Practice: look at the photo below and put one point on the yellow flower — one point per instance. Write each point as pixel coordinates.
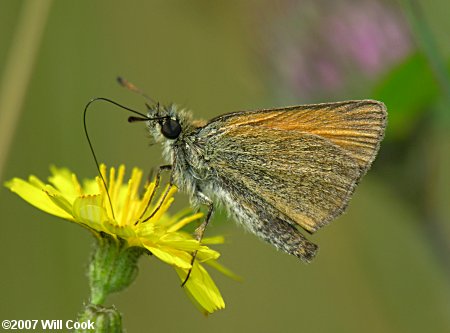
(124, 216)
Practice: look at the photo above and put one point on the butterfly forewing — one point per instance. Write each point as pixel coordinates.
(302, 162)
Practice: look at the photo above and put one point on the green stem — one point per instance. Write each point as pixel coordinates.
(434, 152)
(429, 45)
(18, 69)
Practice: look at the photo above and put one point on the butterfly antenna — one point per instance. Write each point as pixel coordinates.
(142, 117)
(130, 86)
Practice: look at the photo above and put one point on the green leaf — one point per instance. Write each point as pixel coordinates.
(407, 91)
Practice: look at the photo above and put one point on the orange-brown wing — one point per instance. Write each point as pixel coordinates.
(355, 126)
(303, 162)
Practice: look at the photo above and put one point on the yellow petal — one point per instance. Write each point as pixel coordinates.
(186, 220)
(163, 204)
(179, 241)
(213, 240)
(124, 232)
(90, 187)
(189, 245)
(202, 289)
(58, 199)
(222, 269)
(36, 197)
(171, 256)
(89, 210)
(36, 182)
(205, 253)
(62, 180)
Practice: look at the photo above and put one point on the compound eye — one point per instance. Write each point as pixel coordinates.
(170, 128)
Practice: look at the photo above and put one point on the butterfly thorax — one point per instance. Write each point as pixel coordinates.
(185, 153)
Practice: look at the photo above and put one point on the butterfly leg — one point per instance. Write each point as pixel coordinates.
(200, 230)
(162, 168)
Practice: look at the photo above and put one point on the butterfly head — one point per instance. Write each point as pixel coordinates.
(167, 122)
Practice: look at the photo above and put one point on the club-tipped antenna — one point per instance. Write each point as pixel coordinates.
(130, 86)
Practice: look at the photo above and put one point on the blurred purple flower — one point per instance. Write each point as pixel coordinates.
(326, 47)
(371, 34)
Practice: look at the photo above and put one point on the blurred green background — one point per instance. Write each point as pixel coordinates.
(382, 267)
